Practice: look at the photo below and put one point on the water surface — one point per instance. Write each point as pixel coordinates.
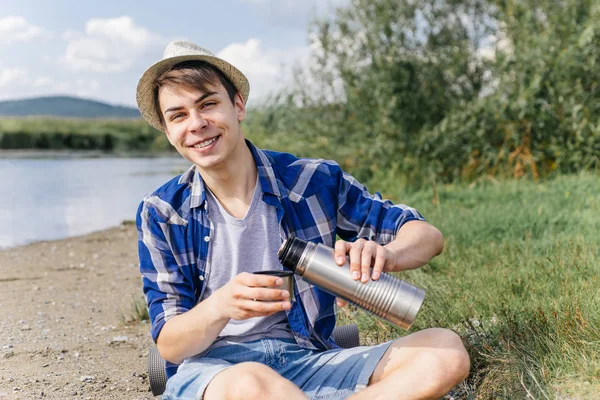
(53, 198)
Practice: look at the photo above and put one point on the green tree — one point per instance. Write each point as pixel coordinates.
(542, 113)
(447, 90)
(383, 71)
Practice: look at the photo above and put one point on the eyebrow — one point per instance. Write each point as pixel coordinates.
(198, 100)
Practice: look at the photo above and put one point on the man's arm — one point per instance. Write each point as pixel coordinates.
(364, 220)
(190, 333)
(245, 296)
(416, 243)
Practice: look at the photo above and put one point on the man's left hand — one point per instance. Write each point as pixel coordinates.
(364, 254)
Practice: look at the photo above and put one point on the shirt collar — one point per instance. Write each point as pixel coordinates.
(266, 177)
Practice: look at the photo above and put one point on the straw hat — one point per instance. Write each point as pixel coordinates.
(175, 53)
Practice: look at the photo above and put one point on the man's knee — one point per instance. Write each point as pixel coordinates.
(248, 380)
(439, 353)
(446, 356)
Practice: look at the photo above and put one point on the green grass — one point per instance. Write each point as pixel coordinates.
(137, 313)
(518, 280)
(110, 135)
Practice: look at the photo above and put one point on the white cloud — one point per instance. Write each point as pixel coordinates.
(13, 75)
(86, 87)
(108, 45)
(41, 81)
(267, 69)
(294, 13)
(18, 83)
(17, 29)
(295, 5)
(119, 29)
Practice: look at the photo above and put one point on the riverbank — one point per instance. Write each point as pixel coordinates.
(61, 334)
(518, 280)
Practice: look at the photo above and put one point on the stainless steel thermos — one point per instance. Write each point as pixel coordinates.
(388, 297)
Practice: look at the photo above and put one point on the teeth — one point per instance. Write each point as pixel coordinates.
(205, 143)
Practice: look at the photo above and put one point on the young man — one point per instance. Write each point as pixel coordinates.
(202, 234)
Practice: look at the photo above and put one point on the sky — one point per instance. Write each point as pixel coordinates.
(99, 49)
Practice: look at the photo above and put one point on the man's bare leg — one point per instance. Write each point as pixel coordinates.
(423, 365)
(251, 381)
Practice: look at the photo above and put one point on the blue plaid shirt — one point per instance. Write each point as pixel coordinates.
(315, 201)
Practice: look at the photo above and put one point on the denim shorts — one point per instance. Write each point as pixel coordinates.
(331, 374)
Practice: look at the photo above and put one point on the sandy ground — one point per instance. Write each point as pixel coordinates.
(61, 334)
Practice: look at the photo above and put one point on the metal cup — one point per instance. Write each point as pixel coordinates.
(288, 281)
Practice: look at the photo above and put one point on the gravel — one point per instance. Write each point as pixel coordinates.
(61, 335)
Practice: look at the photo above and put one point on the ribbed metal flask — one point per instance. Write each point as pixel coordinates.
(388, 297)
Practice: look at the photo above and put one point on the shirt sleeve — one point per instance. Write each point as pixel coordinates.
(168, 292)
(365, 215)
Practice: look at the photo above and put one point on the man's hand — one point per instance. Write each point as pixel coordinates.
(363, 255)
(415, 244)
(340, 302)
(252, 295)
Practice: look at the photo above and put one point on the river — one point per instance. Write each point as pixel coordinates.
(59, 197)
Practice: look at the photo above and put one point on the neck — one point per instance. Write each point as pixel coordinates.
(235, 179)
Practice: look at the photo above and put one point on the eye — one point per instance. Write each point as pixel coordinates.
(209, 104)
(176, 116)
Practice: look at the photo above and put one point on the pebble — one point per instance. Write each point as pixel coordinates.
(87, 378)
(118, 339)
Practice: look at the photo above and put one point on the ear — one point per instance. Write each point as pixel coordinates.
(240, 107)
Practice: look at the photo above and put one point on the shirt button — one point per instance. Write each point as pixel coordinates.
(206, 238)
(201, 277)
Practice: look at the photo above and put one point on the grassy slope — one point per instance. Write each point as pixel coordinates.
(46, 133)
(518, 280)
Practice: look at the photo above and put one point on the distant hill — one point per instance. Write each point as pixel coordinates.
(65, 106)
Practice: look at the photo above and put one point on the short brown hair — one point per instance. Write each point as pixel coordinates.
(192, 74)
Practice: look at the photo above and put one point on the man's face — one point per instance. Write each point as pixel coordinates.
(204, 127)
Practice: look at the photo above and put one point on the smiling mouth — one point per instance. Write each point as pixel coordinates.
(205, 143)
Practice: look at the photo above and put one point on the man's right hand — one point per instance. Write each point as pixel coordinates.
(252, 295)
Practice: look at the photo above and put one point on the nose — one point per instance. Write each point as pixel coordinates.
(197, 122)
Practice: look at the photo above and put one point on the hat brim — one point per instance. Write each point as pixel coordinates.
(145, 88)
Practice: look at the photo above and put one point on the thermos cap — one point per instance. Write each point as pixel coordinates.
(290, 252)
